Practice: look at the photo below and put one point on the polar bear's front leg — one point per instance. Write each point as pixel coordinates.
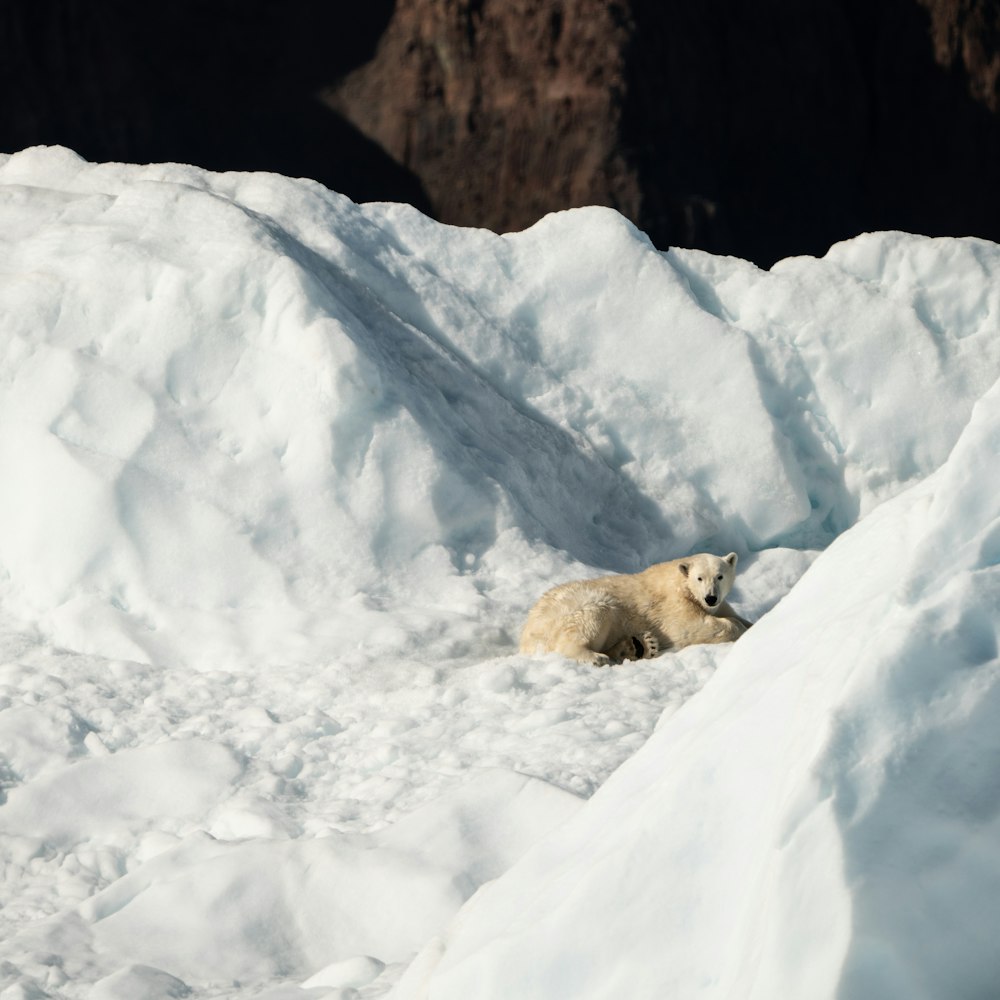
(622, 650)
(725, 629)
(726, 611)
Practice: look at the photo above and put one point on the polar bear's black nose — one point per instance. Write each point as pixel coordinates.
(711, 600)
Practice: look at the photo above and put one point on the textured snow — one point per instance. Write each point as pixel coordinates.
(280, 476)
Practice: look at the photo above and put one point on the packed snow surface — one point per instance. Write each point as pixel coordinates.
(280, 477)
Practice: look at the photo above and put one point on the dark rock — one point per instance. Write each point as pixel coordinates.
(225, 84)
(504, 110)
(966, 34)
(761, 128)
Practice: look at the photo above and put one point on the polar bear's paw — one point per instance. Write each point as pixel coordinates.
(646, 646)
(622, 651)
(635, 647)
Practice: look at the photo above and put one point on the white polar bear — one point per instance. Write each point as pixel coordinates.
(635, 616)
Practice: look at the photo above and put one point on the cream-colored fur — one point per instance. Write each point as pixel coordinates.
(613, 618)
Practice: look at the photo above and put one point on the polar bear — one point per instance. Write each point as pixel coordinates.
(635, 616)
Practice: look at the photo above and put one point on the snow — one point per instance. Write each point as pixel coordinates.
(853, 857)
(281, 475)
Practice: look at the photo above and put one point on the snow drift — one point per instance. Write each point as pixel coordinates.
(280, 476)
(822, 820)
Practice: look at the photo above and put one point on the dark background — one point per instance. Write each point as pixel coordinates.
(761, 128)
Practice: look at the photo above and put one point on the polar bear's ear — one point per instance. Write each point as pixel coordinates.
(683, 567)
(731, 558)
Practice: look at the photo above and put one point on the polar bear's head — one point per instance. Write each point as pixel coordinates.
(709, 578)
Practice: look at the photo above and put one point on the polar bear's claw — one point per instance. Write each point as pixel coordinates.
(646, 645)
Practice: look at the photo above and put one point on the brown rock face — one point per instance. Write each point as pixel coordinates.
(966, 33)
(504, 109)
(761, 128)
(755, 127)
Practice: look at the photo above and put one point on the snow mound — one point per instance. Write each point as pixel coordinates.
(328, 403)
(131, 790)
(823, 820)
(281, 475)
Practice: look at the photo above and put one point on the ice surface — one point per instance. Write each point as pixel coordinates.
(280, 476)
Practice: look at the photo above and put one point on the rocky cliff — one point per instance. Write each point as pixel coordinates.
(747, 127)
(966, 36)
(755, 127)
(505, 110)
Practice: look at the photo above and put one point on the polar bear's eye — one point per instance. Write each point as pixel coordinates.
(719, 577)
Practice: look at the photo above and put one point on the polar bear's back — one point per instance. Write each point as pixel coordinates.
(588, 608)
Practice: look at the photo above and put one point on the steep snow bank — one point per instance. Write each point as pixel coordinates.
(823, 820)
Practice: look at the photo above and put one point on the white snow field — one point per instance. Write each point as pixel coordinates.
(280, 476)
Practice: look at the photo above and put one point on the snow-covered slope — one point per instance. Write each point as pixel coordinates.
(280, 476)
(823, 820)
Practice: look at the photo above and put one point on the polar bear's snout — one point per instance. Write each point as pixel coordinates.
(709, 579)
